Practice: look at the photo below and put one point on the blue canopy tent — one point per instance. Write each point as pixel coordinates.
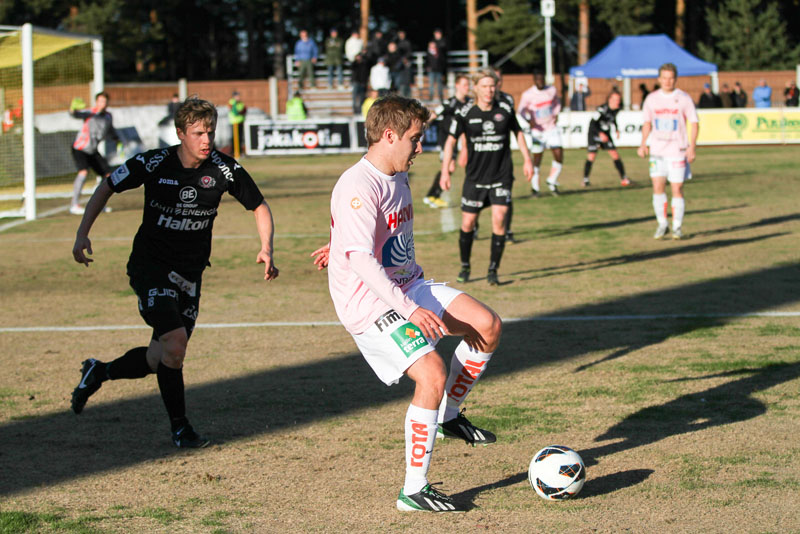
(639, 56)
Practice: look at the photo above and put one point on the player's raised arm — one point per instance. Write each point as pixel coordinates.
(93, 208)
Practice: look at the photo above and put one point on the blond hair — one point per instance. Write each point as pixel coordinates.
(486, 72)
(670, 67)
(396, 113)
(194, 109)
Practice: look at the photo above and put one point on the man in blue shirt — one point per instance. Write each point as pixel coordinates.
(305, 56)
(762, 95)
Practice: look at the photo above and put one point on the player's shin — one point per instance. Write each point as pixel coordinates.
(465, 240)
(660, 208)
(620, 168)
(170, 383)
(420, 434)
(466, 367)
(496, 252)
(678, 209)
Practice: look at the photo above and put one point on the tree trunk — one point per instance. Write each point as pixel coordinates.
(583, 32)
(680, 11)
(364, 29)
(278, 63)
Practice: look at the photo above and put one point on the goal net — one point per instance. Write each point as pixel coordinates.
(41, 72)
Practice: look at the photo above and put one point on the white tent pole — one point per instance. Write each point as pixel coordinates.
(626, 88)
(28, 154)
(715, 82)
(97, 65)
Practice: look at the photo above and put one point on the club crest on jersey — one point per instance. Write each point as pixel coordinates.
(207, 182)
(356, 203)
(498, 117)
(188, 194)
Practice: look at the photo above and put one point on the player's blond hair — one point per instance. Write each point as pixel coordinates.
(396, 113)
(670, 67)
(194, 109)
(486, 72)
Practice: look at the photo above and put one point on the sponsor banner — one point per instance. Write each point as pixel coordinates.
(298, 137)
(749, 126)
(429, 141)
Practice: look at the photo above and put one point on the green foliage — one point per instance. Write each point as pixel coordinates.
(746, 35)
(513, 26)
(626, 17)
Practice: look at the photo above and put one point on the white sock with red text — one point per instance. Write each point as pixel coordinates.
(466, 367)
(678, 208)
(420, 436)
(660, 207)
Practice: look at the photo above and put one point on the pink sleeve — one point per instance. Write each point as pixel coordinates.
(647, 111)
(374, 276)
(556, 105)
(522, 109)
(689, 111)
(355, 212)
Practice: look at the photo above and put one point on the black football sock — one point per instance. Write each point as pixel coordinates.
(170, 382)
(436, 189)
(465, 240)
(620, 168)
(498, 245)
(132, 364)
(587, 169)
(509, 215)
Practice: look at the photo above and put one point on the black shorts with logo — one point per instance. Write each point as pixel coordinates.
(475, 196)
(167, 300)
(94, 161)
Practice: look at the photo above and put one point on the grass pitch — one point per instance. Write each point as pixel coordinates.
(672, 367)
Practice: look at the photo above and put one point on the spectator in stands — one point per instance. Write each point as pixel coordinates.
(375, 47)
(334, 52)
(403, 44)
(578, 100)
(708, 99)
(172, 108)
(436, 64)
(399, 69)
(791, 94)
(739, 96)
(762, 95)
(353, 46)
(379, 77)
(726, 97)
(359, 78)
(296, 108)
(305, 57)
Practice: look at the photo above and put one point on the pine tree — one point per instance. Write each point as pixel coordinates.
(517, 23)
(748, 35)
(626, 17)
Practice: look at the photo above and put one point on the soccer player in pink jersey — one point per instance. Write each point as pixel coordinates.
(540, 106)
(395, 316)
(671, 150)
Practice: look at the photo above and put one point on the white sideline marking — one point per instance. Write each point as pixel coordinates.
(552, 318)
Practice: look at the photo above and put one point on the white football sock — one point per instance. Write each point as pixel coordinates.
(535, 179)
(555, 170)
(678, 209)
(660, 207)
(420, 430)
(466, 367)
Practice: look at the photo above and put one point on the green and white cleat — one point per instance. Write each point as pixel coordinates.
(428, 499)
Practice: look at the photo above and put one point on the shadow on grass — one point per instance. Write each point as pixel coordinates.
(58, 447)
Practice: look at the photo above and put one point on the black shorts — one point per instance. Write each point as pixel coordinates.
(167, 300)
(93, 161)
(595, 143)
(475, 196)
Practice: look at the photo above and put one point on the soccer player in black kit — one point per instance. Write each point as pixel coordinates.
(600, 137)
(183, 186)
(487, 124)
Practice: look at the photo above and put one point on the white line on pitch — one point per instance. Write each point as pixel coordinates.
(552, 318)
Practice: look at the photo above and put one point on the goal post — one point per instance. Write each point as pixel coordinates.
(41, 71)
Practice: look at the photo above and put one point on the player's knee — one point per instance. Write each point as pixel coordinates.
(490, 327)
(174, 348)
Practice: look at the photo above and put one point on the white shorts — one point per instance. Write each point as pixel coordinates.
(542, 139)
(676, 170)
(391, 343)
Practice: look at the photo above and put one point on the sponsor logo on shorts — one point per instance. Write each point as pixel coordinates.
(191, 312)
(500, 192)
(159, 292)
(471, 203)
(387, 319)
(190, 288)
(409, 339)
(120, 174)
(207, 182)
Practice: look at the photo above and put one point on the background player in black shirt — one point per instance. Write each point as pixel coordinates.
(446, 111)
(600, 137)
(487, 124)
(183, 186)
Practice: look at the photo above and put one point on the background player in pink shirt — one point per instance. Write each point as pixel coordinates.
(540, 106)
(395, 316)
(666, 112)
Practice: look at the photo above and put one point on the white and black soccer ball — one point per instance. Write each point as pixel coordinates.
(557, 473)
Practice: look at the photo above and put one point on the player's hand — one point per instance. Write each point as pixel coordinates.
(444, 181)
(270, 271)
(452, 166)
(603, 137)
(431, 324)
(690, 154)
(527, 170)
(81, 244)
(76, 104)
(642, 151)
(322, 256)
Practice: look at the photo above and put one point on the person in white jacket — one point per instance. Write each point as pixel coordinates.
(379, 78)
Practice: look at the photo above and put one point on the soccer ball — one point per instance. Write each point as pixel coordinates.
(557, 473)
